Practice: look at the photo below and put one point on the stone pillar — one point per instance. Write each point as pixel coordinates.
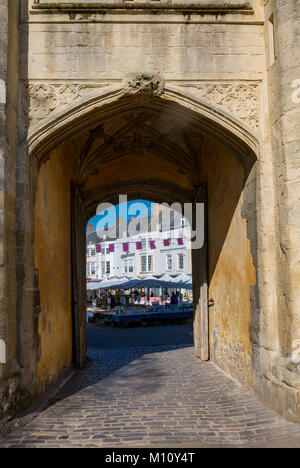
(200, 284)
(28, 295)
(9, 369)
(283, 43)
(78, 231)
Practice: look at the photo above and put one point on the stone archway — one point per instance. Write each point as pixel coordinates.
(60, 83)
(150, 139)
(162, 191)
(235, 124)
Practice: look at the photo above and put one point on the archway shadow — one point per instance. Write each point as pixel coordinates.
(127, 360)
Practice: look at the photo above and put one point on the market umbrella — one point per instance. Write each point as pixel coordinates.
(182, 278)
(93, 285)
(166, 277)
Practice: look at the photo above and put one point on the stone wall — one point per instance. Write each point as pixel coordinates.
(232, 274)
(68, 56)
(9, 369)
(281, 386)
(219, 55)
(109, 48)
(52, 221)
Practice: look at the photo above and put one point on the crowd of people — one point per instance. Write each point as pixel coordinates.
(109, 300)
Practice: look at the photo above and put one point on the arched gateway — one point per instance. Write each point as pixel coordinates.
(145, 139)
(164, 135)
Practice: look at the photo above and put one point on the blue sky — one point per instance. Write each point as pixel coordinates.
(134, 208)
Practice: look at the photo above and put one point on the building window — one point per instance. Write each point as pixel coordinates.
(108, 268)
(130, 266)
(147, 264)
(91, 268)
(144, 243)
(143, 263)
(180, 261)
(103, 268)
(93, 253)
(127, 265)
(150, 263)
(169, 262)
(124, 266)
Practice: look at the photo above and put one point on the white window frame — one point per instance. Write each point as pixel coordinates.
(144, 258)
(180, 255)
(169, 257)
(150, 265)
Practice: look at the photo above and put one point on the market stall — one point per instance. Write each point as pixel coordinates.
(133, 301)
(151, 315)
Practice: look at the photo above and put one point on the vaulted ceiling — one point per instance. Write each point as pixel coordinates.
(142, 131)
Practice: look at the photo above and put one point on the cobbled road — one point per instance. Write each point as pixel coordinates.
(143, 387)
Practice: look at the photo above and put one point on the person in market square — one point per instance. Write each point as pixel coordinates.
(174, 299)
(180, 297)
(166, 297)
(123, 300)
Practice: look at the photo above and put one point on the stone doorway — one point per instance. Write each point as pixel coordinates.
(152, 195)
(145, 141)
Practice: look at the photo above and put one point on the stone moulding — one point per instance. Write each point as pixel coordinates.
(42, 99)
(199, 6)
(240, 99)
(85, 113)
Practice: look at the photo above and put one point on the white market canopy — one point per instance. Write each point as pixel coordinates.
(182, 281)
(102, 284)
(166, 277)
(145, 284)
(182, 278)
(91, 286)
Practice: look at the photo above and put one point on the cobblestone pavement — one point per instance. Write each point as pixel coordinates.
(159, 396)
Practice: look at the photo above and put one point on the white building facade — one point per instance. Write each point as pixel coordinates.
(155, 249)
